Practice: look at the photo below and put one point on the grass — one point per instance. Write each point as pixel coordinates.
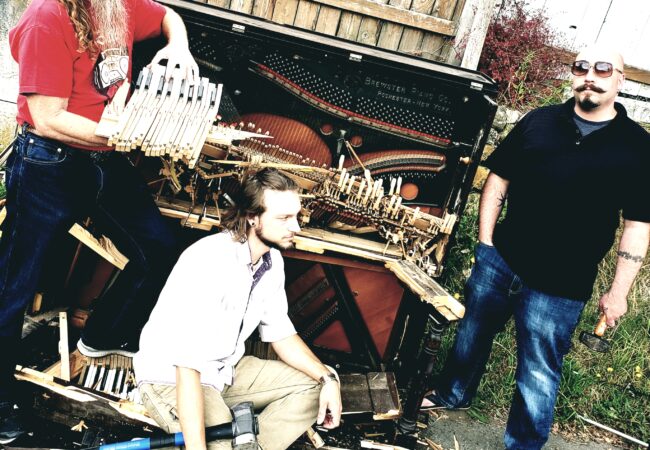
(611, 388)
(7, 130)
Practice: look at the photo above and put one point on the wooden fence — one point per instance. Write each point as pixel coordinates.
(425, 28)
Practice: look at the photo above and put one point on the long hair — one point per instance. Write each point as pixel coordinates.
(82, 24)
(249, 201)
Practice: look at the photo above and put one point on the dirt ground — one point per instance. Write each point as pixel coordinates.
(451, 427)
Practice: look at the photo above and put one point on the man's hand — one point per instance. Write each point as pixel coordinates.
(329, 412)
(177, 51)
(614, 307)
(178, 55)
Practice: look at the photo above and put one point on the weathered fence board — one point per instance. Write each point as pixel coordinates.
(328, 20)
(349, 26)
(411, 42)
(285, 11)
(391, 30)
(307, 14)
(219, 3)
(263, 8)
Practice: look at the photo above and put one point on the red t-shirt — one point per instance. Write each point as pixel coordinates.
(45, 46)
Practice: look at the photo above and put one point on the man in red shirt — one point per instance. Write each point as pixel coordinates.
(72, 56)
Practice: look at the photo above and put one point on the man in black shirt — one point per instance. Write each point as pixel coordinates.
(568, 171)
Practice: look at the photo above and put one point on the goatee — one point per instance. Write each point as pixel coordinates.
(110, 23)
(587, 104)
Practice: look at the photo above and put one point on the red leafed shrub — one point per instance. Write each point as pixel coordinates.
(518, 54)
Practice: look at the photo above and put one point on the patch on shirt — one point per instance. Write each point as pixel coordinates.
(111, 67)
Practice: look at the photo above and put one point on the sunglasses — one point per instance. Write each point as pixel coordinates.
(601, 68)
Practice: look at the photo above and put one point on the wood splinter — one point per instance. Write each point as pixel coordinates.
(80, 427)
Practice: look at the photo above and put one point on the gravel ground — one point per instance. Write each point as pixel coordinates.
(473, 435)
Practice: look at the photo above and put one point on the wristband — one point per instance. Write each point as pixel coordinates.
(327, 378)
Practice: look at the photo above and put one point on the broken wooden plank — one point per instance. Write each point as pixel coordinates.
(315, 438)
(67, 403)
(355, 394)
(76, 365)
(37, 303)
(103, 246)
(63, 346)
(367, 443)
(383, 393)
(427, 289)
(3, 211)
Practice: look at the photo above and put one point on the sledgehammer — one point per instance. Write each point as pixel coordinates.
(595, 340)
(244, 423)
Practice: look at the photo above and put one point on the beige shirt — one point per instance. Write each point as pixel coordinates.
(197, 322)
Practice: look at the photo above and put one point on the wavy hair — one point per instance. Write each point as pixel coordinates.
(249, 201)
(82, 24)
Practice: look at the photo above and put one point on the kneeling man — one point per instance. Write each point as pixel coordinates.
(190, 367)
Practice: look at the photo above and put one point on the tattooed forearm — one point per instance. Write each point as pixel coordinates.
(631, 257)
(502, 199)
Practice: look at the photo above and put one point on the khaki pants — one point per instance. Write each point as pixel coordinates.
(289, 400)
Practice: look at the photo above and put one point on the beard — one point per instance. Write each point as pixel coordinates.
(110, 21)
(278, 245)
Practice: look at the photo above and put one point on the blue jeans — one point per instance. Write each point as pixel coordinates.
(50, 186)
(544, 325)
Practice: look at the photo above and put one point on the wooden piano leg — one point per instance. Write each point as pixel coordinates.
(421, 382)
(406, 337)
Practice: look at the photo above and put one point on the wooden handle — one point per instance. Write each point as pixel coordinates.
(601, 326)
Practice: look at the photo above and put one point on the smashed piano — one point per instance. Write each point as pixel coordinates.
(384, 146)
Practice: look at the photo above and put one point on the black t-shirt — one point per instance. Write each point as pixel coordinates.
(565, 196)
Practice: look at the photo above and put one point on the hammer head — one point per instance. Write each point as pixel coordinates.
(244, 426)
(594, 342)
